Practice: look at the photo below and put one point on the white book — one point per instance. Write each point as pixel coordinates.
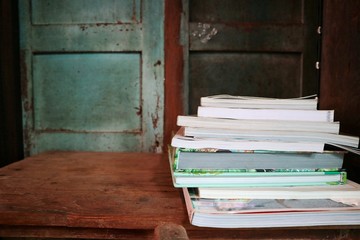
(243, 145)
(348, 191)
(181, 141)
(269, 125)
(291, 136)
(267, 114)
(309, 102)
(265, 213)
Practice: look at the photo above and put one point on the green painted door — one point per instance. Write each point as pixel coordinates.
(92, 75)
(251, 47)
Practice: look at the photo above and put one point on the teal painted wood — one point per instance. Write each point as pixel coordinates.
(82, 11)
(87, 92)
(153, 74)
(87, 38)
(92, 75)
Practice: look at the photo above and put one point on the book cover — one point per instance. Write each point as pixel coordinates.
(268, 125)
(291, 136)
(179, 140)
(267, 114)
(262, 213)
(350, 190)
(210, 158)
(253, 177)
(307, 102)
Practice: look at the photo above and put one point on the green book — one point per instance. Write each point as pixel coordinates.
(254, 177)
(188, 158)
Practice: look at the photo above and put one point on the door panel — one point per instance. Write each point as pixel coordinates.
(82, 11)
(243, 38)
(92, 75)
(228, 11)
(251, 47)
(87, 38)
(87, 92)
(235, 73)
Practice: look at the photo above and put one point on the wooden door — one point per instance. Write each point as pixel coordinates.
(250, 47)
(92, 74)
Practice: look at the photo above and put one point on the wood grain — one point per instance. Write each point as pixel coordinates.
(112, 196)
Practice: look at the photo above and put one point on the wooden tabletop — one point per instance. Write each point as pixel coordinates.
(108, 195)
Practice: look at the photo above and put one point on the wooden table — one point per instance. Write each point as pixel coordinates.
(110, 195)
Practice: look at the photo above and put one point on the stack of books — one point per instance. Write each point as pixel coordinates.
(264, 162)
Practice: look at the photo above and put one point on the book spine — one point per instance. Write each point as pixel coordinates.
(270, 125)
(244, 145)
(260, 172)
(267, 114)
(258, 102)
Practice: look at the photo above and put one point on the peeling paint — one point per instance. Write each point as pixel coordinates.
(158, 63)
(139, 111)
(205, 32)
(133, 17)
(155, 117)
(158, 148)
(83, 27)
(102, 24)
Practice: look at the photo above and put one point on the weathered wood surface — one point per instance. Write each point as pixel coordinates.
(89, 190)
(92, 75)
(53, 191)
(340, 72)
(109, 195)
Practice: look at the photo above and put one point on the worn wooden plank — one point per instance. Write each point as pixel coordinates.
(129, 190)
(74, 233)
(110, 195)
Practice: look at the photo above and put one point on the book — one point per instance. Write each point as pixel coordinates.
(188, 158)
(265, 213)
(266, 114)
(304, 103)
(268, 125)
(349, 190)
(291, 136)
(255, 162)
(179, 140)
(253, 177)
